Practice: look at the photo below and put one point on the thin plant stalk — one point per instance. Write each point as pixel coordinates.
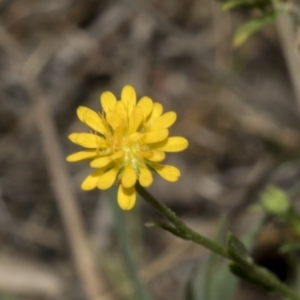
(180, 229)
(130, 262)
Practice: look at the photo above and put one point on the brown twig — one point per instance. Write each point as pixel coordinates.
(65, 197)
(63, 191)
(287, 39)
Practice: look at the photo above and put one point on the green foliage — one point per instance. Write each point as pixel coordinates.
(4, 296)
(275, 201)
(167, 227)
(289, 247)
(252, 26)
(244, 274)
(268, 15)
(212, 280)
(230, 4)
(127, 246)
(237, 249)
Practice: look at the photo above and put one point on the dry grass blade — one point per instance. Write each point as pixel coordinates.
(83, 260)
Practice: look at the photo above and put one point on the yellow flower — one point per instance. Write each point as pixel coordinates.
(129, 141)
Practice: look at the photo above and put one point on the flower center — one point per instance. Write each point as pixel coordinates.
(130, 144)
(131, 151)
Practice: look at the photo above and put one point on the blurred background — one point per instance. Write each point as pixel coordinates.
(239, 109)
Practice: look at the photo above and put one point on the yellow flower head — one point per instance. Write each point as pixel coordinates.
(129, 141)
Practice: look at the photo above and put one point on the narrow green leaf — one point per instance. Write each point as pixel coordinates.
(166, 227)
(211, 279)
(202, 279)
(296, 284)
(189, 292)
(244, 3)
(292, 218)
(289, 247)
(214, 262)
(237, 249)
(126, 248)
(225, 284)
(254, 25)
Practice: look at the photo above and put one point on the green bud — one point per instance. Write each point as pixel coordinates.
(275, 201)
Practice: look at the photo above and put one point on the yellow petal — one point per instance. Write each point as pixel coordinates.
(93, 120)
(155, 155)
(169, 173)
(121, 110)
(173, 144)
(80, 112)
(81, 155)
(155, 136)
(157, 111)
(165, 121)
(136, 136)
(87, 140)
(100, 162)
(146, 104)
(108, 101)
(113, 119)
(104, 161)
(145, 177)
(128, 177)
(91, 181)
(135, 119)
(126, 197)
(107, 179)
(128, 97)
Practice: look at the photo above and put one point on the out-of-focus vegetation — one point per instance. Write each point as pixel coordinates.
(238, 107)
(263, 13)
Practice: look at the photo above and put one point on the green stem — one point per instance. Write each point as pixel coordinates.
(277, 285)
(185, 232)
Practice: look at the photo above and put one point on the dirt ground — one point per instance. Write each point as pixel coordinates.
(237, 108)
